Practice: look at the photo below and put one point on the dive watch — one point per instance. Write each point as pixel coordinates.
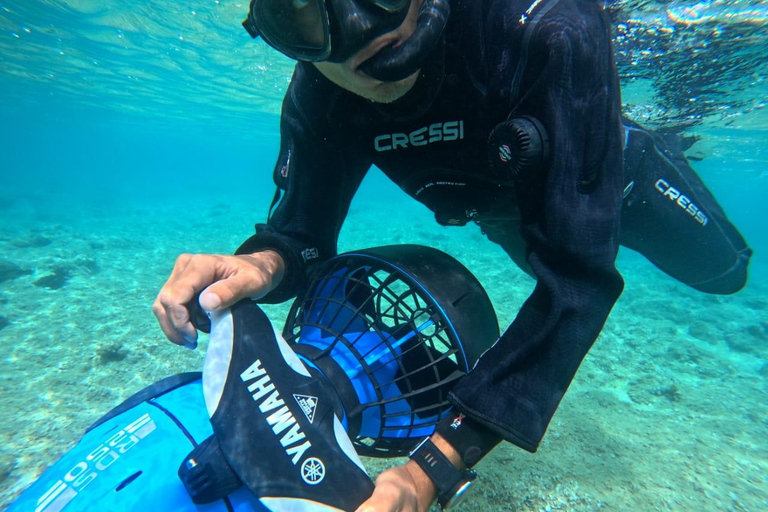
(452, 483)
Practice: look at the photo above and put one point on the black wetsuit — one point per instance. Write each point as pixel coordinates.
(561, 222)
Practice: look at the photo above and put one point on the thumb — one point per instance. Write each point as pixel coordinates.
(245, 284)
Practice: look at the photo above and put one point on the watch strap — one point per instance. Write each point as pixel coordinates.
(448, 479)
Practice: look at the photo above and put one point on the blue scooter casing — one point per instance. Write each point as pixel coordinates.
(128, 460)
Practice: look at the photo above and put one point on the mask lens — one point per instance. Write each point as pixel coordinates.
(391, 5)
(298, 28)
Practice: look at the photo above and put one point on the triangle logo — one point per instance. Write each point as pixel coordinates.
(308, 405)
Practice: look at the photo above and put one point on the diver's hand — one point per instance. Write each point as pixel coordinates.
(407, 488)
(222, 279)
(403, 488)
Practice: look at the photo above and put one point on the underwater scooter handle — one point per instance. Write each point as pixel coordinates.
(274, 422)
(197, 315)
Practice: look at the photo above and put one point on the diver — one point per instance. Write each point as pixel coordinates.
(505, 115)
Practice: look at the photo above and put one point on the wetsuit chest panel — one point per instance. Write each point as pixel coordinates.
(452, 181)
(440, 159)
(457, 197)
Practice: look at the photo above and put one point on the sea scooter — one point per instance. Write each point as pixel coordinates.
(276, 423)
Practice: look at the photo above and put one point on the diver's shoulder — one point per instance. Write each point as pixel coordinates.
(510, 19)
(578, 16)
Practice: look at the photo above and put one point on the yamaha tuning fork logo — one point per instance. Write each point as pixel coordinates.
(313, 471)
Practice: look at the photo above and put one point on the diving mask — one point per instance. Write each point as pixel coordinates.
(334, 30)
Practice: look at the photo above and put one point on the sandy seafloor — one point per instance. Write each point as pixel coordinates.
(668, 411)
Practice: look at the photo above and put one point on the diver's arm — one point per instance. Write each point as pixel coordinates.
(316, 182)
(570, 222)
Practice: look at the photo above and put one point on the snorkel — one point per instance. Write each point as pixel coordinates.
(396, 63)
(334, 30)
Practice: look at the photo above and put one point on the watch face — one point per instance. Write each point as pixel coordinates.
(459, 497)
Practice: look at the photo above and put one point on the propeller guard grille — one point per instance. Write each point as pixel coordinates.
(381, 331)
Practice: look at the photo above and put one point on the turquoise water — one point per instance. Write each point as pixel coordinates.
(132, 132)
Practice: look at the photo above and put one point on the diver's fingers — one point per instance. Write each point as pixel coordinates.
(165, 325)
(174, 322)
(397, 491)
(245, 283)
(191, 273)
(247, 276)
(179, 317)
(225, 279)
(379, 503)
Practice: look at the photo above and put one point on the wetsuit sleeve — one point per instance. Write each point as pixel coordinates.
(570, 223)
(315, 185)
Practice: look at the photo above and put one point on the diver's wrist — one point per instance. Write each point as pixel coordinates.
(448, 450)
(424, 488)
(272, 261)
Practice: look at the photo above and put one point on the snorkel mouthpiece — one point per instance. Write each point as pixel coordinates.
(397, 63)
